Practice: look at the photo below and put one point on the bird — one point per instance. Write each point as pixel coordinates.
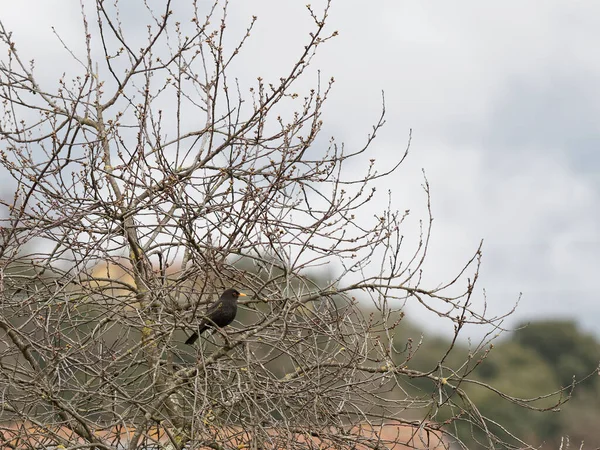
(220, 314)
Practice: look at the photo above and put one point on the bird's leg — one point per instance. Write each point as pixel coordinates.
(225, 336)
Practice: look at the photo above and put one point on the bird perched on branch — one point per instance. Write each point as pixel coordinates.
(220, 314)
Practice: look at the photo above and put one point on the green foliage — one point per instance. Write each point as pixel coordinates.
(534, 361)
(520, 373)
(570, 352)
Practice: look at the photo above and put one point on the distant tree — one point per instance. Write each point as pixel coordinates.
(580, 418)
(142, 179)
(539, 357)
(514, 371)
(518, 372)
(572, 354)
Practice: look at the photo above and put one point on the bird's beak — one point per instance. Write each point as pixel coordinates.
(243, 295)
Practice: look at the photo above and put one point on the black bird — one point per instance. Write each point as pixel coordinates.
(220, 314)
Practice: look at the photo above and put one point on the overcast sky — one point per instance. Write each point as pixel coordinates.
(503, 99)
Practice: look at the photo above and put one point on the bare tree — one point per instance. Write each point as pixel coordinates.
(151, 180)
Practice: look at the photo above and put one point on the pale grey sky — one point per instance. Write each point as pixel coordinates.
(503, 100)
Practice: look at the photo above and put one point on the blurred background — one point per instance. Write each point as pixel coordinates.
(503, 101)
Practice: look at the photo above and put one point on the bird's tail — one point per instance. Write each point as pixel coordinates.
(193, 338)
